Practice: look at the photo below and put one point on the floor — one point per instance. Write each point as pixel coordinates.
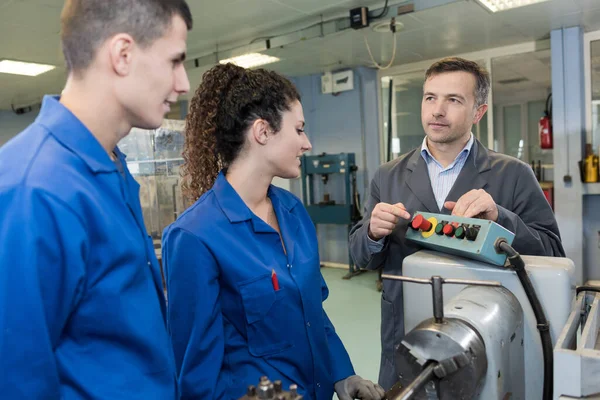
(354, 309)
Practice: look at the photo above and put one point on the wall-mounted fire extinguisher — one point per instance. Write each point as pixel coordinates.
(545, 125)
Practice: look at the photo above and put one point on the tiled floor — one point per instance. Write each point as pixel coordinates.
(354, 309)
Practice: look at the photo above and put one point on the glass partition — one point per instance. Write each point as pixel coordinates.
(154, 158)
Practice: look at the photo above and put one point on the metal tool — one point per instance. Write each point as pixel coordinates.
(267, 390)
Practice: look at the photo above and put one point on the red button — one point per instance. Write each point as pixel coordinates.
(419, 222)
(448, 230)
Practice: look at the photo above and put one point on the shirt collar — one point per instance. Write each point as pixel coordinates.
(425, 153)
(74, 135)
(234, 207)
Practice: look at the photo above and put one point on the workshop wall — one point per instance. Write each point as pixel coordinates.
(11, 124)
(347, 122)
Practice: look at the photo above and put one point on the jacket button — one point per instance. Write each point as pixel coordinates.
(318, 384)
(308, 324)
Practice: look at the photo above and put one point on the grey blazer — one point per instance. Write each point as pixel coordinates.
(522, 209)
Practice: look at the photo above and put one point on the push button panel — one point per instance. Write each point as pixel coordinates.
(468, 237)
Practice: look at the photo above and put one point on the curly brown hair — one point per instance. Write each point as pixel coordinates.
(225, 105)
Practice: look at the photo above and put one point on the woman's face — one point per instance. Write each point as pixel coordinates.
(287, 145)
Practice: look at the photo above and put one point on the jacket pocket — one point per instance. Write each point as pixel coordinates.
(266, 315)
(388, 329)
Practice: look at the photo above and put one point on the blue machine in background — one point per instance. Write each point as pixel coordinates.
(326, 210)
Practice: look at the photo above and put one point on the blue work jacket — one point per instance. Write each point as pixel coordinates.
(227, 322)
(82, 312)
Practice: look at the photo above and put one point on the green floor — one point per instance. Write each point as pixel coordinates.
(354, 309)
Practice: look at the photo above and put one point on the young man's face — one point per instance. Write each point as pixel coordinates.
(158, 77)
(448, 109)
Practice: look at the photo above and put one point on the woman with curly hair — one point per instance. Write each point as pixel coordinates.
(242, 264)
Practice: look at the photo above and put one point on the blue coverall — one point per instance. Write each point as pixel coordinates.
(82, 312)
(227, 322)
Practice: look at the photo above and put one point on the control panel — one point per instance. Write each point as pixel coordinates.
(467, 237)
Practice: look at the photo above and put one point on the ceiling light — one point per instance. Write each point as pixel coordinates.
(503, 5)
(23, 68)
(250, 60)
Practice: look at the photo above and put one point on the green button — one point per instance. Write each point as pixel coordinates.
(460, 232)
(439, 229)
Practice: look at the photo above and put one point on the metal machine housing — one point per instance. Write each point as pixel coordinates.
(553, 279)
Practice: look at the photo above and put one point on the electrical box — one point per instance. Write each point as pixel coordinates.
(466, 237)
(343, 81)
(327, 83)
(359, 17)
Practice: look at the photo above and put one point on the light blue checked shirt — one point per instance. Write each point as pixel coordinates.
(442, 179)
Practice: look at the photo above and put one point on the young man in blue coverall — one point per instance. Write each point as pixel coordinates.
(82, 304)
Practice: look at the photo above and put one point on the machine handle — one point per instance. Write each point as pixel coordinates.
(437, 292)
(449, 281)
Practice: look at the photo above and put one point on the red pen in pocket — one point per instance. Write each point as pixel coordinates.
(274, 280)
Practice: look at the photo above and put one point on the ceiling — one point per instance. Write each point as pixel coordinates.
(458, 27)
(521, 77)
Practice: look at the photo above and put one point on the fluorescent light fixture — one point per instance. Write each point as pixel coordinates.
(503, 5)
(23, 68)
(250, 60)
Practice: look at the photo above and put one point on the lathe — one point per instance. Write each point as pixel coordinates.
(495, 325)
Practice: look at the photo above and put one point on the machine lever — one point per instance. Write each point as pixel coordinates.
(448, 280)
(438, 295)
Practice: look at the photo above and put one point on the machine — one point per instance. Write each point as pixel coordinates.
(327, 210)
(487, 328)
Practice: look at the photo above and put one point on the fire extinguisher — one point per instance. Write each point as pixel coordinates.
(545, 126)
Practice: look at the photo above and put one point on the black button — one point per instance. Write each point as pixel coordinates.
(471, 233)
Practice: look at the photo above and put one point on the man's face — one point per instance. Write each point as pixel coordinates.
(448, 109)
(157, 78)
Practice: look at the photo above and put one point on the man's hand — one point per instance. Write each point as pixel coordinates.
(355, 387)
(474, 204)
(384, 219)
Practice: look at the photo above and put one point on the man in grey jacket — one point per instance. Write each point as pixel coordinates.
(454, 173)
